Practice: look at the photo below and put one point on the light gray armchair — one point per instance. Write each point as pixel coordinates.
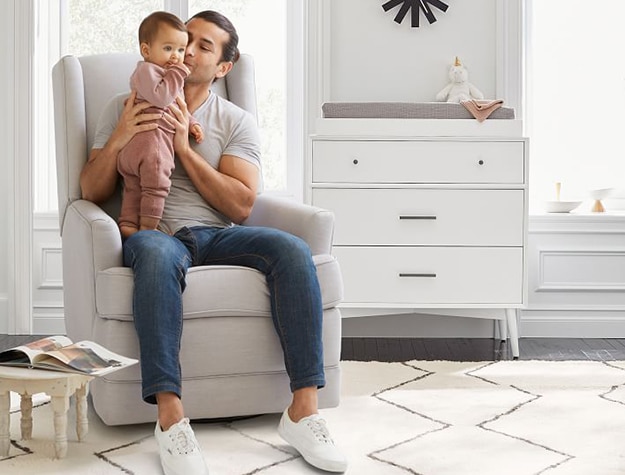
(231, 359)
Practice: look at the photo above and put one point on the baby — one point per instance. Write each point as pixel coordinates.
(147, 161)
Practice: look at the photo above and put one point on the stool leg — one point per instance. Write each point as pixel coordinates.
(26, 405)
(60, 406)
(82, 423)
(5, 421)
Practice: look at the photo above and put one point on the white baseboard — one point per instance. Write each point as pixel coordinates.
(573, 323)
(48, 321)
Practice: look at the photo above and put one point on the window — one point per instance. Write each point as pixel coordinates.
(103, 26)
(576, 98)
(81, 27)
(261, 25)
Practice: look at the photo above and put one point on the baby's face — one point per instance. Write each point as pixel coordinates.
(167, 48)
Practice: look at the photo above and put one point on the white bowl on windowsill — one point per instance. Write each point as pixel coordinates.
(561, 206)
(601, 194)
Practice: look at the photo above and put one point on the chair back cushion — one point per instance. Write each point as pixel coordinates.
(81, 88)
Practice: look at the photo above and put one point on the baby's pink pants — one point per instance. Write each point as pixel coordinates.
(145, 163)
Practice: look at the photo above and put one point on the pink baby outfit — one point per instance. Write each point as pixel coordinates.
(147, 161)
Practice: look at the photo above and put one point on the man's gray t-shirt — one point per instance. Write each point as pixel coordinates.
(228, 130)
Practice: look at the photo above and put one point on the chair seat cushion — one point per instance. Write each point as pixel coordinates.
(213, 291)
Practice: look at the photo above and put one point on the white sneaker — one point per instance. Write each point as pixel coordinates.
(312, 440)
(179, 451)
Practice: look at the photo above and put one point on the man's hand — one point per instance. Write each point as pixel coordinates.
(99, 175)
(132, 121)
(178, 117)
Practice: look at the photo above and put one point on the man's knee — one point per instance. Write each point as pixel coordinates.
(294, 249)
(152, 247)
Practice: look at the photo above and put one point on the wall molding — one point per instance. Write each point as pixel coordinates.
(296, 118)
(20, 189)
(510, 31)
(48, 320)
(317, 72)
(48, 312)
(47, 254)
(588, 286)
(610, 223)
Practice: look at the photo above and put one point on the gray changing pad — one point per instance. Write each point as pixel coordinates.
(405, 110)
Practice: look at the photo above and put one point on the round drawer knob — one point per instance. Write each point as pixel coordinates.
(481, 162)
(355, 161)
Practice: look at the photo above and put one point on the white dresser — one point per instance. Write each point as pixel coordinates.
(427, 222)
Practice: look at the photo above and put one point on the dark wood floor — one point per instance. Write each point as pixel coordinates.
(453, 349)
(481, 349)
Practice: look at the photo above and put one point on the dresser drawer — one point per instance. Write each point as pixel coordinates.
(424, 217)
(431, 275)
(365, 161)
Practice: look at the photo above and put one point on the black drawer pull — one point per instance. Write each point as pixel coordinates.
(401, 274)
(417, 217)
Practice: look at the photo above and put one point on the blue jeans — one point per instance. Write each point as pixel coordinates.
(160, 264)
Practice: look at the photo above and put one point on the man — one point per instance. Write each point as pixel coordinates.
(214, 186)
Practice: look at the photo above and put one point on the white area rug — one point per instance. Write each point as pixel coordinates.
(425, 418)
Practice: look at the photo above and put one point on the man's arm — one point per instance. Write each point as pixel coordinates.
(98, 177)
(232, 188)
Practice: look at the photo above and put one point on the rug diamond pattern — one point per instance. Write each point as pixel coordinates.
(418, 418)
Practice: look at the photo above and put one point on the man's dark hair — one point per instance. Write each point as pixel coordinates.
(151, 23)
(231, 48)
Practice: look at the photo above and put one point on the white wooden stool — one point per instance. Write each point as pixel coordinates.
(59, 386)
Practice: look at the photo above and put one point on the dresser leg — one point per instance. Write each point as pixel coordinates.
(503, 329)
(513, 331)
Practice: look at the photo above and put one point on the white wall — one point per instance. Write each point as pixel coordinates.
(375, 59)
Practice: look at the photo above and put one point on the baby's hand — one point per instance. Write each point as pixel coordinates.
(197, 132)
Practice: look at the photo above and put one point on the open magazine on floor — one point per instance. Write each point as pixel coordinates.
(59, 353)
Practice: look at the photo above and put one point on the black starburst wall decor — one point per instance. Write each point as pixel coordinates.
(415, 7)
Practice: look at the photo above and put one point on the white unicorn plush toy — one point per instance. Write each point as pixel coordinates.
(459, 88)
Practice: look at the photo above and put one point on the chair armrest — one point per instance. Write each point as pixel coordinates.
(93, 234)
(91, 242)
(314, 225)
